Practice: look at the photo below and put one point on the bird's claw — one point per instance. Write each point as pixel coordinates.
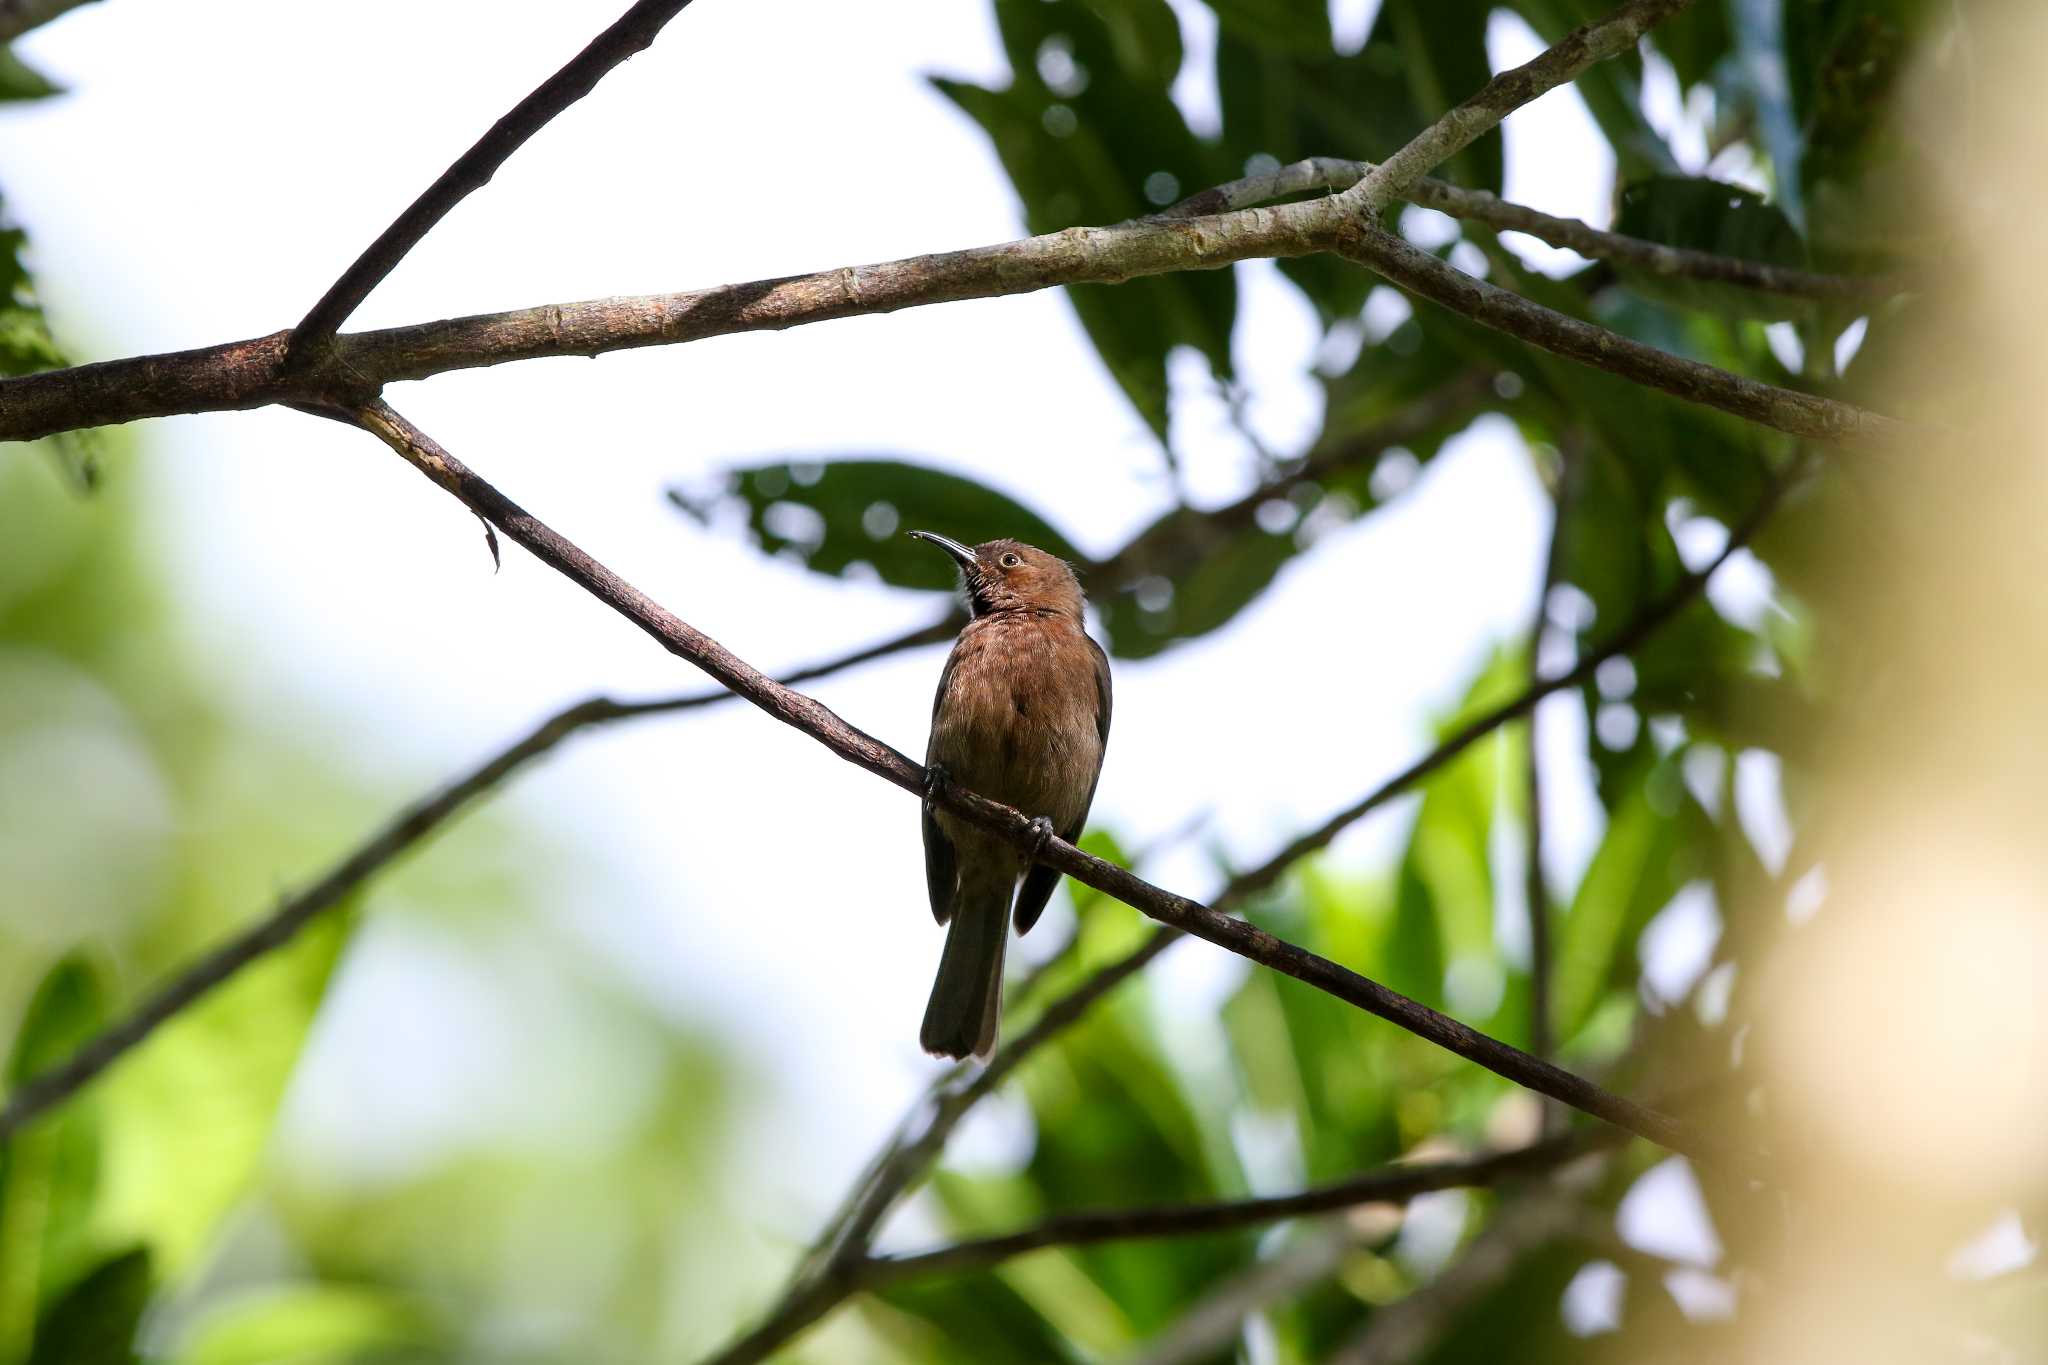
(1041, 835)
(936, 779)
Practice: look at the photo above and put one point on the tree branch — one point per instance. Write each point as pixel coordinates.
(411, 827)
(1510, 90)
(1800, 414)
(351, 369)
(423, 817)
(865, 751)
(19, 16)
(471, 171)
(1396, 1183)
(1480, 206)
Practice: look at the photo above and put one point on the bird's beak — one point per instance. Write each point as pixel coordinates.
(962, 556)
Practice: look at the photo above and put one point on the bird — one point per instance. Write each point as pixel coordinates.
(1021, 717)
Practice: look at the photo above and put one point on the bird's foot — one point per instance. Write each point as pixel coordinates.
(936, 780)
(1041, 835)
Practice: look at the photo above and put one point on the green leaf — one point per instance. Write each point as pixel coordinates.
(18, 81)
(1089, 134)
(94, 1322)
(1611, 89)
(50, 1171)
(26, 345)
(968, 1319)
(1727, 220)
(189, 1117)
(1297, 26)
(1643, 859)
(1206, 580)
(832, 514)
(308, 1322)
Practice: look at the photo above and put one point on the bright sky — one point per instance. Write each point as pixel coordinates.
(217, 164)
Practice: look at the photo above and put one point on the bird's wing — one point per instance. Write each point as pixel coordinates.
(941, 868)
(1040, 880)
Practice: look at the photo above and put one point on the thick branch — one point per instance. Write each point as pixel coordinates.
(19, 16)
(411, 827)
(1391, 1184)
(1501, 96)
(471, 171)
(1327, 172)
(249, 374)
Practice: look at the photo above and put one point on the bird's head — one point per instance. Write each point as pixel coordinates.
(1008, 575)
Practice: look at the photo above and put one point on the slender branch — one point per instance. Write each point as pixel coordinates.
(864, 750)
(826, 1276)
(1430, 277)
(471, 171)
(1510, 90)
(19, 16)
(1391, 1184)
(411, 827)
(1326, 172)
(423, 817)
(354, 366)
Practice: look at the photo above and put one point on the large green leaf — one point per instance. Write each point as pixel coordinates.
(308, 1321)
(1726, 220)
(1646, 854)
(833, 514)
(94, 1321)
(50, 1171)
(1198, 579)
(1089, 134)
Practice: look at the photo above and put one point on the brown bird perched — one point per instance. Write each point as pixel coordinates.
(1021, 717)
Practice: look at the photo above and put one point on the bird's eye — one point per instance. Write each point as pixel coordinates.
(1010, 561)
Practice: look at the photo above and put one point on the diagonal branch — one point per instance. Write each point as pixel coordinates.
(857, 747)
(1480, 206)
(1510, 90)
(411, 827)
(1396, 1183)
(471, 171)
(419, 820)
(19, 16)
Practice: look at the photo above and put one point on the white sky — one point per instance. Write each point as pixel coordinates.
(218, 163)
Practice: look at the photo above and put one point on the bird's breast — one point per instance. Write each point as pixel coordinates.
(1017, 718)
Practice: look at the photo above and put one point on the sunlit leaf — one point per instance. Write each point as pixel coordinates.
(94, 1322)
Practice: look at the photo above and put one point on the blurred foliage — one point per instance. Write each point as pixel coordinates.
(154, 1217)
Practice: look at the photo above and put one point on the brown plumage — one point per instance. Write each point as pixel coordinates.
(1021, 717)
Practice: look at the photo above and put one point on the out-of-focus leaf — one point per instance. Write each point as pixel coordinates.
(19, 81)
(969, 1319)
(1611, 89)
(188, 1117)
(26, 344)
(1519, 1320)
(49, 1172)
(1296, 26)
(1219, 578)
(94, 1322)
(309, 1321)
(1695, 41)
(1727, 220)
(834, 514)
(1089, 134)
(1644, 857)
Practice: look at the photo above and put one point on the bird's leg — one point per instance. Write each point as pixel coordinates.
(936, 780)
(1041, 835)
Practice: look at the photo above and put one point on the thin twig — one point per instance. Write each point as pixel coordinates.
(407, 830)
(1510, 90)
(471, 171)
(1391, 1184)
(1481, 206)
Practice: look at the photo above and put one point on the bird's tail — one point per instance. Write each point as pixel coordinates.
(967, 998)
